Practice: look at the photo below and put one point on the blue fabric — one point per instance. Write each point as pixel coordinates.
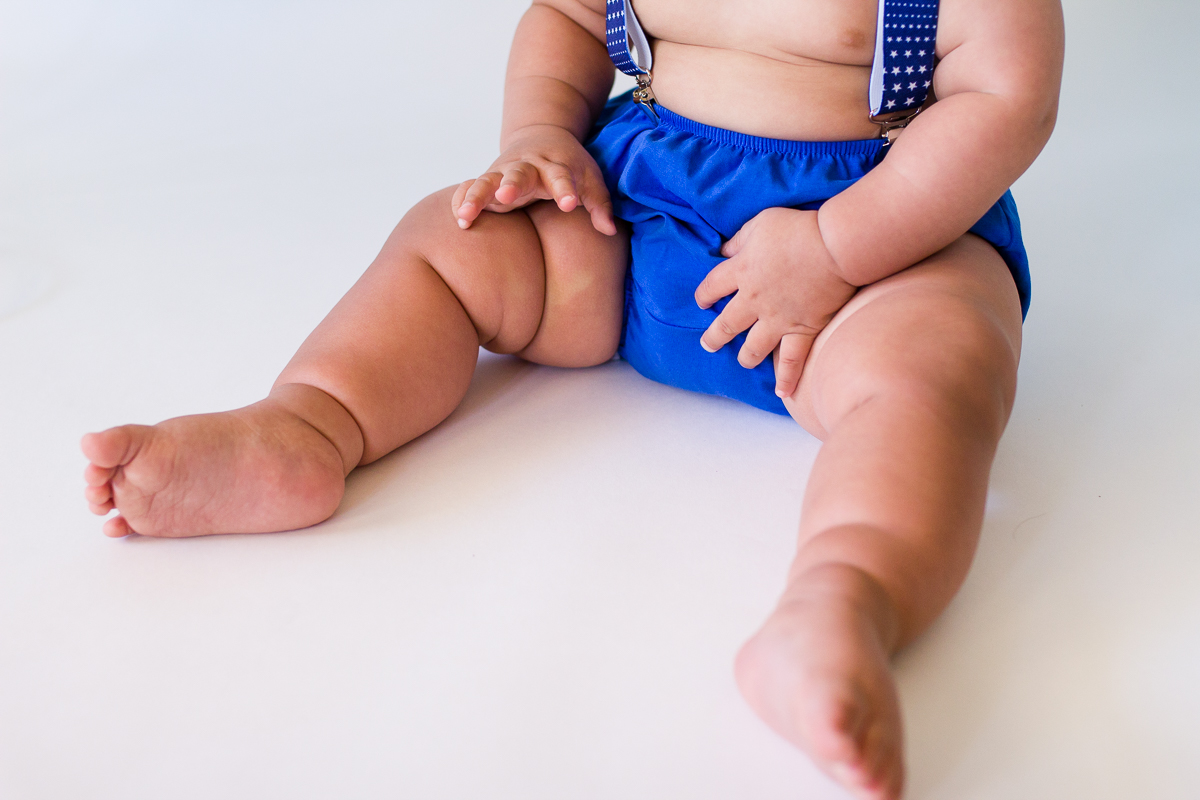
(686, 188)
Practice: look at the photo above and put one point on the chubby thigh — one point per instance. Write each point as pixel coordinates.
(536, 282)
(945, 330)
(584, 293)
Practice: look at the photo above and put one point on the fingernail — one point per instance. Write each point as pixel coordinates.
(779, 392)
(462, 223)
(706, 347)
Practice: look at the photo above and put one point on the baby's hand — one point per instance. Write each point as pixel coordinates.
(544, 162)
(788, 288)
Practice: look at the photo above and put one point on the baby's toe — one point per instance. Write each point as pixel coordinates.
(117, 527)
(832, 719)
(876, 772)
(115, 446)
(100, 509)
(98, 495)
(94, 475)
(883, 762)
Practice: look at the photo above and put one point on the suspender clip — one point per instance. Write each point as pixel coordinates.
(890, 125)
(643, 95)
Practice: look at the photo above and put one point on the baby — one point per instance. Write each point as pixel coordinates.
(767, 217)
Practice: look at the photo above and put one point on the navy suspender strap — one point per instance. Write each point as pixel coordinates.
(901, 74)
(621, 29)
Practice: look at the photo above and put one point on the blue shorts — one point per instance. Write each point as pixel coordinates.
(686, 188)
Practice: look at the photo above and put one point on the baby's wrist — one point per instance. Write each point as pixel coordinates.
(832, 265)
(535, 130)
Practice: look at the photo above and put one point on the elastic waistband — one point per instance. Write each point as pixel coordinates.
(854, 147)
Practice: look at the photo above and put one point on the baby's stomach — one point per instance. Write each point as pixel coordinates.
(808, 101)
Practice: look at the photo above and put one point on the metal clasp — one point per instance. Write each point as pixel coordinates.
(891, 124)
(643, 95)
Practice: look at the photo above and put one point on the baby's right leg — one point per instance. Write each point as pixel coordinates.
(390, 362)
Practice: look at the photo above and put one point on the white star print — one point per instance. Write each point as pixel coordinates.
(908, 71)
(891, 103)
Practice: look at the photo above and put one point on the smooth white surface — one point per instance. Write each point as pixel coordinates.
(540, 599)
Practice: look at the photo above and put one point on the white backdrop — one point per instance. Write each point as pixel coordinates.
(542, 597)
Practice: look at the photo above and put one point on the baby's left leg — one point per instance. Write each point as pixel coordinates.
(910, 388)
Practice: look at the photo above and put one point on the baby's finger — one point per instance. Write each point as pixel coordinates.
(519, 181)
(760, 341)
(734, 245)
(721, 281)
(603, 219)
(598, 203)
(561, 184)
(736, 318)
(793, 353)
(480, 193)
(460, 194)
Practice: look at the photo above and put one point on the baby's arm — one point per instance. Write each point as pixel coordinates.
(997, 87)
(559, 76)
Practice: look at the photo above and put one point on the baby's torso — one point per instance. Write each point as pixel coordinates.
(786, 69)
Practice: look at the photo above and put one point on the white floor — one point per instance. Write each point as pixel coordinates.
(541, 598)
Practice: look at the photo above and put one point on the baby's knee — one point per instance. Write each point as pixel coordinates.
(968, 381)
(429, 227)
(959, 366)
(494, 269)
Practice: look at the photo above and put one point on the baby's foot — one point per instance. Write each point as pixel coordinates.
(817, 673)
(257, 469)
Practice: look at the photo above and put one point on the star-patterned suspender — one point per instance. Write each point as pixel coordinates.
(902, 73)
(622, 28)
